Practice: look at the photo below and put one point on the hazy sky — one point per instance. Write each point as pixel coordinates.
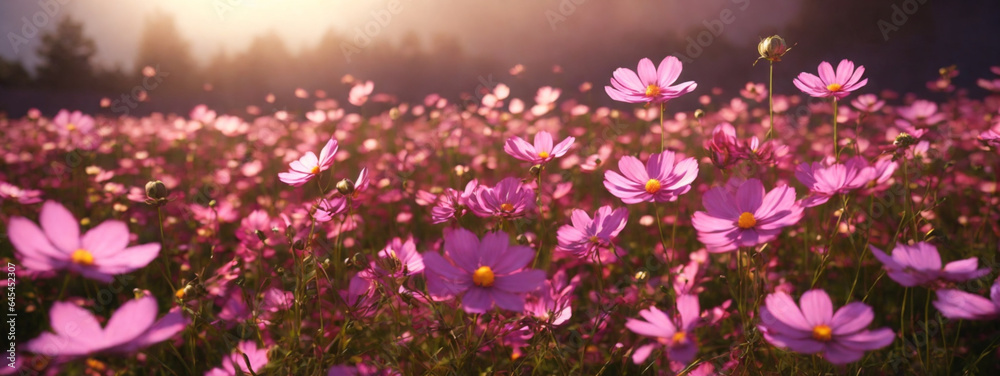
(495, 27)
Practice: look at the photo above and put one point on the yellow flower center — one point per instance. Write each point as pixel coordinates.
(652, 90)
(82, 257)
(652, 186)
(543, 154)
(833, 87)
(71, 127)
(679, 337)
(746, 220)
(594, 239)
(822, 333)
(315, 170)
(483, 277)
(506, 207)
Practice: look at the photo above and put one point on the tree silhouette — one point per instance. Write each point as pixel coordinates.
(162, 47)
(13, 74)
(66, 55)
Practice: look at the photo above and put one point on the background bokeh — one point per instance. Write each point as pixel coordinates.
(231, 53)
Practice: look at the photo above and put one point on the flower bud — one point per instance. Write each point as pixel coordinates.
(345, 187)
(772, 48)
(904, 140)
(156, 192)
(699, 113)
(535, 170)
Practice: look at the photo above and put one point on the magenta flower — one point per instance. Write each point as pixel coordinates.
(22, 196)
(955, 304)
(676, 335)
(920, 264)
(508, 199)
(584, 236)
(542, 151)
(307, 167)
(235, 361)
(842, 337)
(868, 103)
(553, 303)
(405, 252)
(651, 85)
(77, 333)
(99, 254)
(838, 85)
(659, 181)
(922, 112)
(746, 218)
(990, 138)
(724, 146)
(69, 122)
(451, 203)
(824, 182)
(483, 272)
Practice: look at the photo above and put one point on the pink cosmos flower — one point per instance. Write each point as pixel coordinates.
(659, 181)
(724, 146)
(842, 337)
(360, 92)
(22, 196)
(232, 362)
(745, 218)
(405, 252)
(922, 112)
(990, 138)
(508, 199)
(450, 204)
(542, 151)
(68, 122)
(920, 264)
(868, 103)
(483, 272)
(307, 167)
(553, 302)
(99, 254)
(77, 333)
(651, 85)
(838, 85)
(676, 335)
(824, 182)
(955, 304)
(584, 236)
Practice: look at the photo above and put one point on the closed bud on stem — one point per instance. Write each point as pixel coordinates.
(535, 170)
(699, 113)
(772, 48)
(156, 190)
(345, 187)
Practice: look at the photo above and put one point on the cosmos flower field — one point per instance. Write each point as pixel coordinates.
(839, 229)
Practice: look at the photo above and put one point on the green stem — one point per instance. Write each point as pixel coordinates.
(663, 131)
(836, 145)
(770, 100)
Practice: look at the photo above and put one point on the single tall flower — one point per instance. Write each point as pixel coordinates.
(508, 199)
(842, 337)
(483, 272)
(69, 122)
(824, 182)
(307, 167)
(651, 85)
(77, 333)
(830, 84)
(99, 254)
(542, 151)
(584, 236)
(660, 180)
(955, 304)
(676, 335)
(745, 218)
(920, 264)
